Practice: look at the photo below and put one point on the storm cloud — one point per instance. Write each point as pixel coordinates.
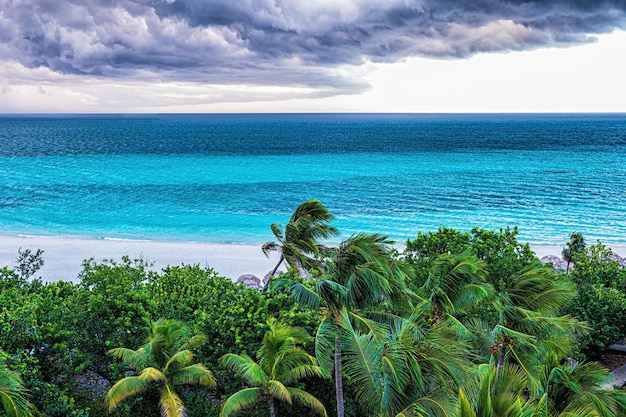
(281, 42)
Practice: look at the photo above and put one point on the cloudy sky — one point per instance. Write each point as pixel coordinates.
(312, 55)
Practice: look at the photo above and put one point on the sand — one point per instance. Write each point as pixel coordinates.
(63, 256)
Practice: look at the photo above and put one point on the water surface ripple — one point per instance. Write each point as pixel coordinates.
(226, 178)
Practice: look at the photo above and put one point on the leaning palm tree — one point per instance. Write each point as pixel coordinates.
(164, 362)
(528, 310)
(281, 361)
(413, 368)
(575, 245)
(580, 390)
(360, 273)
(455, 283)
(13, 395)
(299, 243)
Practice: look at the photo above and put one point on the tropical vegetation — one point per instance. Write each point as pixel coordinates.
(281, 360)
(163, 362)
(458, 324)
(13, 395)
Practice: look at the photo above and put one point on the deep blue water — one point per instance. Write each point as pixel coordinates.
(226, 178)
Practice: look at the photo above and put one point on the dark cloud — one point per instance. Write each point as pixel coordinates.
(281, 42)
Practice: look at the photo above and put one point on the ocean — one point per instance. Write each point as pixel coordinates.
(225, 178)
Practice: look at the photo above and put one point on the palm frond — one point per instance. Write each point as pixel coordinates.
(308, 400)
(332, 293)
(122, 389)
(246, 368)
(304, 371)
(501, 332)
(278, 390)
(277, 231)
(361, 366)
(136, 360)
(465, 406)
(268, 247)
(239, 400)
(365, 325)
(194, 374)
(301, 293)
(179, 360)
(170, 403)
(313, 208)
(164, 359)
(13, 395)
(193, 342)
(151, 374)
(430, 406)
(325, 338)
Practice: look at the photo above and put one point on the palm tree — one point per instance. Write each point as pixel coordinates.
(527, 307)
(455, 283)
(360, 273)
(281, 360)
(13, 395)
(494, 396)
(566, 391)
(299, 243)
(164, 361)
(414, 368)
(575, 245)
(581, 390)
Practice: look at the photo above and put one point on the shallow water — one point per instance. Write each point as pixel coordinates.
(226, 178)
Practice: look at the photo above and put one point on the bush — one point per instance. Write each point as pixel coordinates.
(601, 300)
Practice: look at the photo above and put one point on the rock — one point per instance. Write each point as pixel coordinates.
(620, 261)
(556, 261)
(249, 280)
(267, 276)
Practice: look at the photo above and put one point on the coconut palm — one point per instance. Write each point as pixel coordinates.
(455, 283)
(575, 245)
(527, 307)
(163, 362)
(13, 395)
(360, 273)
(415, 368)
(281, 361)
(299, 243)
(580, 389)
(493, 396)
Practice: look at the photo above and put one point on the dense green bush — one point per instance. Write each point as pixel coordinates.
(601, 299)
(57, 335)
(500, 250)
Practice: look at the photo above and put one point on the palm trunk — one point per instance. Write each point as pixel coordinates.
(269, 277)
(500, 361)
(338, 377)
(272, 409)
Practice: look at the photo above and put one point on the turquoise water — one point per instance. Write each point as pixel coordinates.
(226, 178)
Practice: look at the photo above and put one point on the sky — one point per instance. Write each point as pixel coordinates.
(204, 56)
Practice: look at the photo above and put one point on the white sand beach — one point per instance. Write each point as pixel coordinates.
(63, 256)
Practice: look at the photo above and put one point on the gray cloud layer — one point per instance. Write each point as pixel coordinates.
(281, 42)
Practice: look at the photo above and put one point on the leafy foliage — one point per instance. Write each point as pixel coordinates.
(601, 299)
(281, 362)
(165, 361)
(115, 305)
(299, 242)
(13, 394)
(502, 253)
(482, 312)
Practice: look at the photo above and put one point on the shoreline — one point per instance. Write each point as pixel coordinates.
(63, 256)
